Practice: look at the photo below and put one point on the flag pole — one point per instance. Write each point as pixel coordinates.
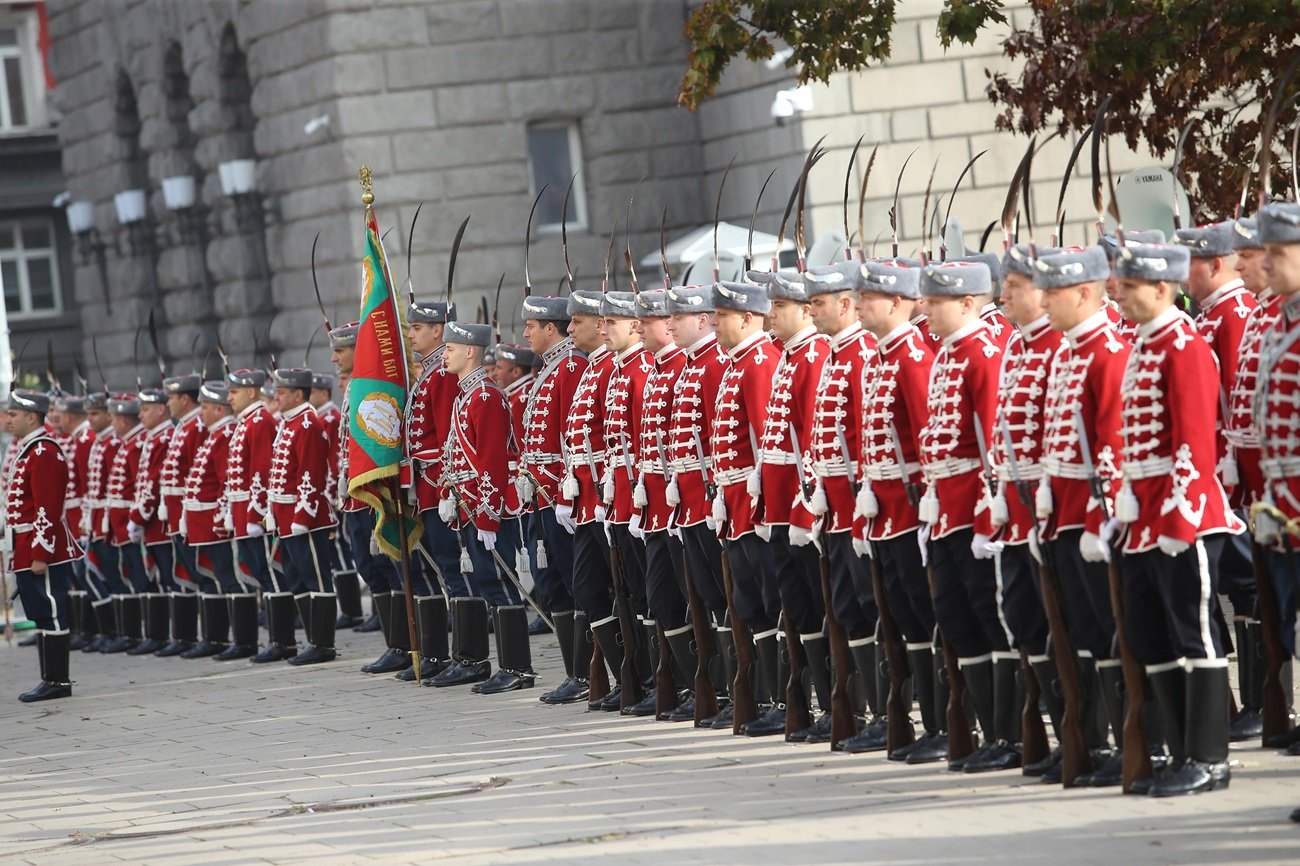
(395, 487)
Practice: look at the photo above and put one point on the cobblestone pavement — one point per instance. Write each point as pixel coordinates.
(163, 761)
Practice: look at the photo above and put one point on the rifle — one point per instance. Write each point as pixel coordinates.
(706, 696)
(1075, 758)
(1276, 703)
(1137, 756)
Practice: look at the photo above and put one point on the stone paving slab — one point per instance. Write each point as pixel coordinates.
(173, 763)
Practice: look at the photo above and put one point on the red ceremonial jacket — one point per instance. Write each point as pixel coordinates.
(650, 496)
(743, 398)
(428, 420)
(475, 463)
(1085, 375)
(300, 472)
(695, 401)
(35, 528)
(204, 516)
(963, 384)
(1241, 431)
(1170, 394)
(248, 468)
(1022, 397)
(792, 398)
(623, 423)
(119, 492)
(550, 402)
(584, 435)
(1277, 411)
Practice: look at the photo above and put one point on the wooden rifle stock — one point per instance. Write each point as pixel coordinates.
(798, 714)
(1137, 755)
(898, 731)
(960, 742)
(1075, 758)
(744, 707)
(1276, 704)
(628, 682)
(843, 725)
(706, 697)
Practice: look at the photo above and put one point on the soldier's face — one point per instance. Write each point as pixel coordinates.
(585, 331)
(1142, 300)
(1250, 269)
(342, 358)
(98, 419)
(1021, 302)
(1282, 265)
(788, 317)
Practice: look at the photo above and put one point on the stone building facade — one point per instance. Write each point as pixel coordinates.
(469, 107)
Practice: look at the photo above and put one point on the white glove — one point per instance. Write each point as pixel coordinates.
(763, 531)
(446, 510)
(255, 530)
(1093, 548)
(134, 531)
(923, 540)
(298, 529)
(634, 527)
(1268, 532)
(861, 547)
(1172, 546)
(800, 537)
(984, 547)
(564, 517)
(488, 539)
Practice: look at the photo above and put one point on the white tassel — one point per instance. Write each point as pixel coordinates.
(1126, 505)
(998, 510)
(672, 495)
(754, 484)
(719, 509)
(639, 498)
(570, 487)
(818, 504)
(1043, 500)
(542, 561)
(466, 564)
(162, 510)
(866, 504)
(446, 510)
(609, 485)
(928, 510)
(1228, 471)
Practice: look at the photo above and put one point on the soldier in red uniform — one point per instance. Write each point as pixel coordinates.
(584, 513)
(1176, 515)
(540, 480)
(248, 473)
(146, 527)
(301, 513)
(39, 547)
(78, 439)
(473, 489)
(347, 583)
(693, 407)
(182, 401)
(894, 407)
(119, 497)
(102, 571)
(1083, 406)
(780, 515)
(742, 406)
(962, 399)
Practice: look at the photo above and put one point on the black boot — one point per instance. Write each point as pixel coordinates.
(105, 626)
(77, 621)
(393, 658)
(685, 658)
(514, 654)
(431, 627)
(1002, 753)
(280, 643)
(1110, 675)
(470, 663)
(55, 683)
(768, 653)
(242, 610)
(1205, 719)
(930, 679)
(185, 624)
(155, 612)
(126, 608)
(347, 586)
(724, 674)
(1049, 690)
(320, 620)
(608, 637)
(1249, 721)
(571, 632)
(216, 628)
(644, 659)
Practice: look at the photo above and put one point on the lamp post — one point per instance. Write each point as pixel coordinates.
(81, 222)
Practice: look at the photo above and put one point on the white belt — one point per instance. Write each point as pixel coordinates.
(731, 476)
(879, 472)
(1152, 467)
(282, 498)
(195, 505)
(950, 467)
(1279, 468)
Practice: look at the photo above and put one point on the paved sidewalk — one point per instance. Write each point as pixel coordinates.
(163, 761)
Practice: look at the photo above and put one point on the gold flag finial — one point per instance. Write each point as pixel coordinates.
(367, 186)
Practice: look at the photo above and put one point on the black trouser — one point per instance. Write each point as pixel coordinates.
(664, 591)
(965, 597)
(702, 555)
(753, 582)
(799, 582)
(593, 584)
(1169, 602)
(907, 586)
(852, 595)
(1022, 600)
(1085, 595)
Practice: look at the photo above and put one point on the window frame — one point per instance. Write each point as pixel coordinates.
(20, 254)
(579, 196)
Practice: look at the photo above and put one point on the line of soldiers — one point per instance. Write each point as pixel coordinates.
(790, 505)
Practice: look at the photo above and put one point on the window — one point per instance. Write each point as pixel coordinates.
(28, 267)
(554, 154)
(22, 80)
